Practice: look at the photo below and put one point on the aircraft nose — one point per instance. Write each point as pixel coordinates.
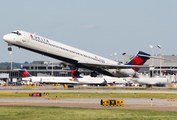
(7, 38)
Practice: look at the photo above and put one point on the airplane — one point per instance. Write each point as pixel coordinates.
(74, 57)
(28, 77)
(99, 80)
(88, 80)
(149, 81)
(62, 80)
(115, 80)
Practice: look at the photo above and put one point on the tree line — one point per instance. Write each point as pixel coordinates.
(7, 65)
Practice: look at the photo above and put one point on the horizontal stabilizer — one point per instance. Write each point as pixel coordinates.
(155, 57)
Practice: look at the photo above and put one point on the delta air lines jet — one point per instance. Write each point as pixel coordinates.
(149, 81)
(87, 79)
(62, 80)
(74, 57)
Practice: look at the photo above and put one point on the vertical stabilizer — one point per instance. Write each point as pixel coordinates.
(72, 73)
(25, 73)
(139, 59)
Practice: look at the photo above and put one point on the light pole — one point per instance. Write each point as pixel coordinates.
(11, 59)
(111, 56)
(52, 66)
(123, 56)
(152, 59)
(160, 57)
(116, 56)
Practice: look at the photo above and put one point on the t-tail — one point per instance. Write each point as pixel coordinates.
(72, 73)
(139, 59)
(25, 73)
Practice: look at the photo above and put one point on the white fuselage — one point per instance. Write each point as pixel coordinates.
(64, 80)
(63, 52)
(151, 80)
(61, 80)
(89, 80)
(115, 80)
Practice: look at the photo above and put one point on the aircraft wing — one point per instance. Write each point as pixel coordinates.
(111, 66)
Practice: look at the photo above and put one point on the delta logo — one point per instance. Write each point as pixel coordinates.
(31, 36)
(24, 73)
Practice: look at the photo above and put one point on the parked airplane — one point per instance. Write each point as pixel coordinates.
(99, 80)
(62, 80)
(88, 79)
(115, 80)
(149, 81)
(74, 57)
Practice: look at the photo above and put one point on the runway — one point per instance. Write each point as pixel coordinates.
(59, 89)
(169, 104)
(129, 103)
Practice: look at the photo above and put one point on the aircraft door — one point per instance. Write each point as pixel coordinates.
(24, 38)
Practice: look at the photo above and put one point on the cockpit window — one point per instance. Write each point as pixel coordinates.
(17, 33)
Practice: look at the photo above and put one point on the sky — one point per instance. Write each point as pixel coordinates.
(102, 27)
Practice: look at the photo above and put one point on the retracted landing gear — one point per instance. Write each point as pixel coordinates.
(93, 74)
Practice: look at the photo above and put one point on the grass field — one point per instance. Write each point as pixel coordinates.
(96, 95)
(61, 113)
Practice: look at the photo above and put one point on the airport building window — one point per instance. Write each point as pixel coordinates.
(26, 67)
(41, 67)
(69, 73)
(55, 67)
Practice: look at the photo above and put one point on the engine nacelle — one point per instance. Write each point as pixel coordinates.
(127, 72)
(123, 72)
